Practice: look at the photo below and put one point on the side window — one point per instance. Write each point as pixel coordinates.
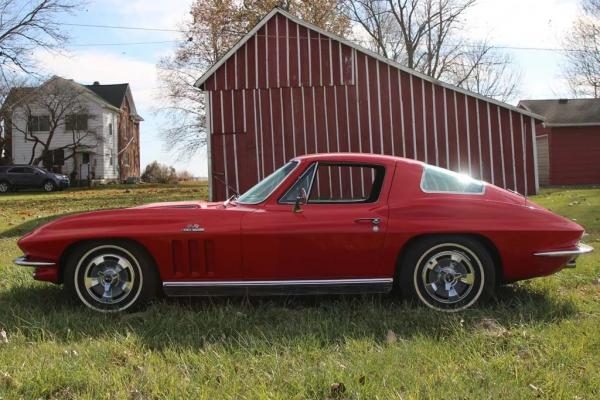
(303, 182)
(439, 180)
(18, 170)
(346, 183)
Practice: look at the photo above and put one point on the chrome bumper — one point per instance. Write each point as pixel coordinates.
(24, 262)
(573, 253)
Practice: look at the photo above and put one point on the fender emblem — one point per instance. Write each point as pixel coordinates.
(193, 228)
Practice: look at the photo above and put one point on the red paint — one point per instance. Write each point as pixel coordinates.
(269, 241)
(574, 154)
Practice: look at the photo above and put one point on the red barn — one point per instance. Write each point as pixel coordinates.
(289, 88)
(569, 140)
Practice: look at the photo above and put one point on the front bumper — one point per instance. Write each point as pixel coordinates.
(44, 271)
(570, 254)
(63, 183)
(23, 261)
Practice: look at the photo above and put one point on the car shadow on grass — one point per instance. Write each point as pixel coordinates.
(40, 312)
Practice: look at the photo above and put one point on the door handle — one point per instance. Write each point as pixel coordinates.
(374, 221)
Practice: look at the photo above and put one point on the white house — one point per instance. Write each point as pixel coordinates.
(88, 131)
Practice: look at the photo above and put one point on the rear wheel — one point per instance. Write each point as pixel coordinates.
(49, 186)
(447, 273)
(4, 187)
(111, 276)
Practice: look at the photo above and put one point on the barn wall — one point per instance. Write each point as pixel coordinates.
(290, 91)
(574, 155)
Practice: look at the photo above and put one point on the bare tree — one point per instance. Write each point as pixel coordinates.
(425, 35)
(215, 26)
(57, 107)
(487, 71)
(582, 68)
(26, 26)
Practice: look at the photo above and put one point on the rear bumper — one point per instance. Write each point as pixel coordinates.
(569, 254)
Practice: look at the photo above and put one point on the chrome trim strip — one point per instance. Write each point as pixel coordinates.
(581, 249)
(323, 282)
(24, 262)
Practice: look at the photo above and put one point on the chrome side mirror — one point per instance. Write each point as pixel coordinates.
(302, 198)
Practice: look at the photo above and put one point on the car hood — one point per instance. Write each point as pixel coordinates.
(143, 217)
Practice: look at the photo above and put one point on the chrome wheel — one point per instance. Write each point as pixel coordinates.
(451, 276)
(3, 187)
(448, 276)
(48, 186)
(109, 278)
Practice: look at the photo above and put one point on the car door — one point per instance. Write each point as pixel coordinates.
(339, 233)
(16, 176)
(32, 177)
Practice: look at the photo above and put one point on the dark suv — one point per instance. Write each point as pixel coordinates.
(26, 176)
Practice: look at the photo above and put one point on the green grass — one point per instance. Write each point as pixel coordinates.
(538, 339)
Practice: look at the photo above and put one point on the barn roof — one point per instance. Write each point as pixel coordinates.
(200, 82)
(565, 112)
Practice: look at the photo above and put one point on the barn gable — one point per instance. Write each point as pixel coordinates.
(289, 88)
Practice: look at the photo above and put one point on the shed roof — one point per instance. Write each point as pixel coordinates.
(565, 112)
(200, 82)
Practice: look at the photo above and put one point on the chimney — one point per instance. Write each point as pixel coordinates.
(563, 101)
(96, 83)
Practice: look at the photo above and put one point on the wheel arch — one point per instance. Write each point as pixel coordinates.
(485, 241)
(64, 257)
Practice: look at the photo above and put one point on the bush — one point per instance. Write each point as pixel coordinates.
(159, 173)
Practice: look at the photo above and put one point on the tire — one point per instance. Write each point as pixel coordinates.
(447, 273)
(4, 187)
(111, 276)
(49, 186)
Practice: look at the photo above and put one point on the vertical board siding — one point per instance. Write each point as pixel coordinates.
(290, 91)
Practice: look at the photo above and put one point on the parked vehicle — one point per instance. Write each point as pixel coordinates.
(327, 223)
(14, 177)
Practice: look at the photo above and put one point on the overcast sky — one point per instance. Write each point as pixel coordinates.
(512, 23)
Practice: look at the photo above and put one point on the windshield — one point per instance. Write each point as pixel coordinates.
(259, 192)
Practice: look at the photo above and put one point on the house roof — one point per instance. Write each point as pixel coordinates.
(200, 82)
(565, 112)
(114, 94)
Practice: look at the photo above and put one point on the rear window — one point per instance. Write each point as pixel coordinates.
(439, 180)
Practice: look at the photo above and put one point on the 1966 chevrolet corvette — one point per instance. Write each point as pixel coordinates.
(327, 223)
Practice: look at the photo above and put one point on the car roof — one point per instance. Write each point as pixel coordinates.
(356, 157)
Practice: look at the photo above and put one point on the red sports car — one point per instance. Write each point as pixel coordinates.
(327, 223)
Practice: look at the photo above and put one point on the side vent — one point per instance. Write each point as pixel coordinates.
(177, 257)
(209, 256)
(196, 261)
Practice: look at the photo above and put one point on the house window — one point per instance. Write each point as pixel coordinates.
(110, 128)
(76, 122)
(38, 123)
(85, 158)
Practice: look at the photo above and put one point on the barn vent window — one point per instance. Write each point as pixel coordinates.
(38, 123)
(440, 180)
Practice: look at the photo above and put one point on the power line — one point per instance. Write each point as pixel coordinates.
(363, 42)
(122, 44)
(138, 28)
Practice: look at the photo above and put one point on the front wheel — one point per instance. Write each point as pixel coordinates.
(111, 276)
(447, 273)
(49, 186)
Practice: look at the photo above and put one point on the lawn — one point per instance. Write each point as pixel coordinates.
(537, 339)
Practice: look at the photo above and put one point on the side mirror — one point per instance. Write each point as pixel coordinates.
(302, 198)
